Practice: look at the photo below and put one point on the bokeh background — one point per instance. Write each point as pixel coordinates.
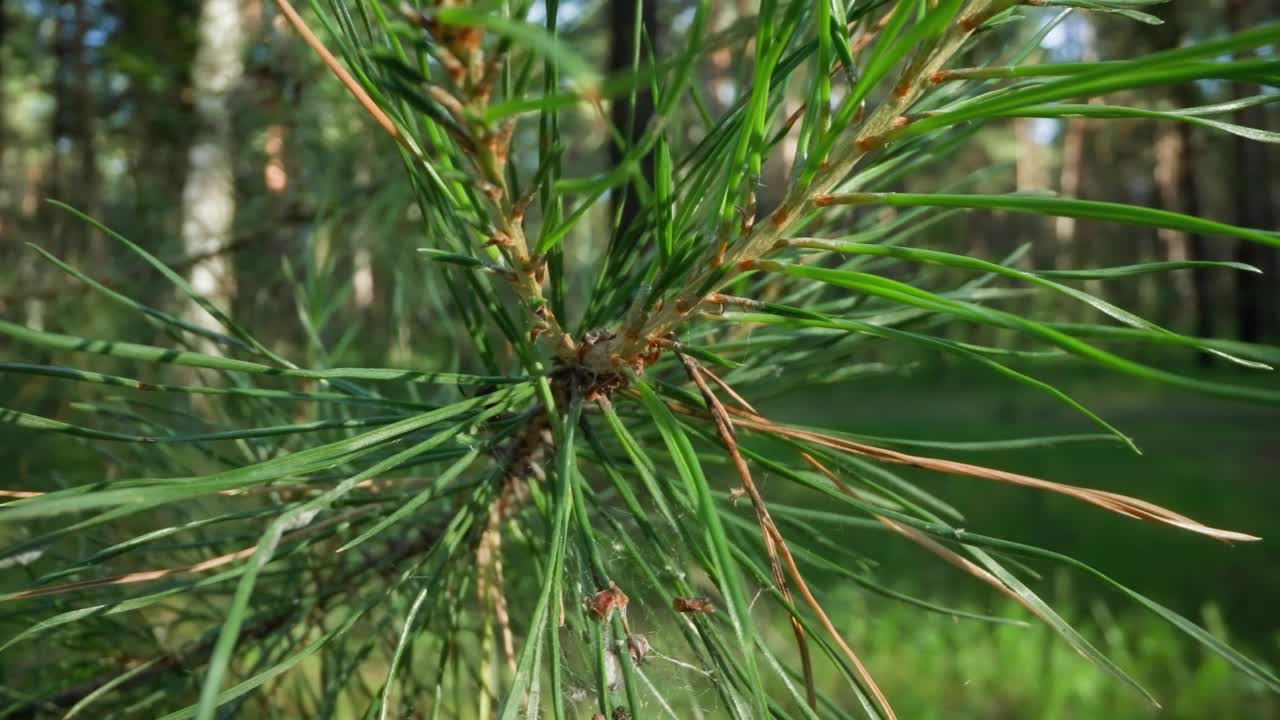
(204, 131)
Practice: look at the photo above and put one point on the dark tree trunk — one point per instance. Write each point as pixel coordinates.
(1256, 311)
(630, 118)
(1201, 281)
(59, 128)
(86, 185)
(4, 126)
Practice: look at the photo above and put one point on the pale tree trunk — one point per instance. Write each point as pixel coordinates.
(1070, 181)
(208, 196)
(1032, 171)
(1075, 142)
(1075, 139)
(1179, 192)
(1031, 175)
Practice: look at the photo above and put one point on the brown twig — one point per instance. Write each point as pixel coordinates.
(924, 541)
(213, 563)
(773, 542)
(344, 77)
(198, 652)
(729, 390)
(1115, 502)
(19, 494)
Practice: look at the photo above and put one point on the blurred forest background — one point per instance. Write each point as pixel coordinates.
(206, 132)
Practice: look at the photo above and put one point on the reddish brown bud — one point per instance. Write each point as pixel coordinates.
(868, 144)
(606, 601)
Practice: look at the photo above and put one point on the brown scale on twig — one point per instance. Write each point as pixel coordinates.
(748, 216)
(722, 247)
(501, 142)
(499, 239)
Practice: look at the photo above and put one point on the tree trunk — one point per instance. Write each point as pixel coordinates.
(1179, 190)
(208, 196)
(86, 190)
(624, 32)
(1031, 175)
(45, 180)
(1257, 316)
(1070, 183)
(6, 202)
(59, 128)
